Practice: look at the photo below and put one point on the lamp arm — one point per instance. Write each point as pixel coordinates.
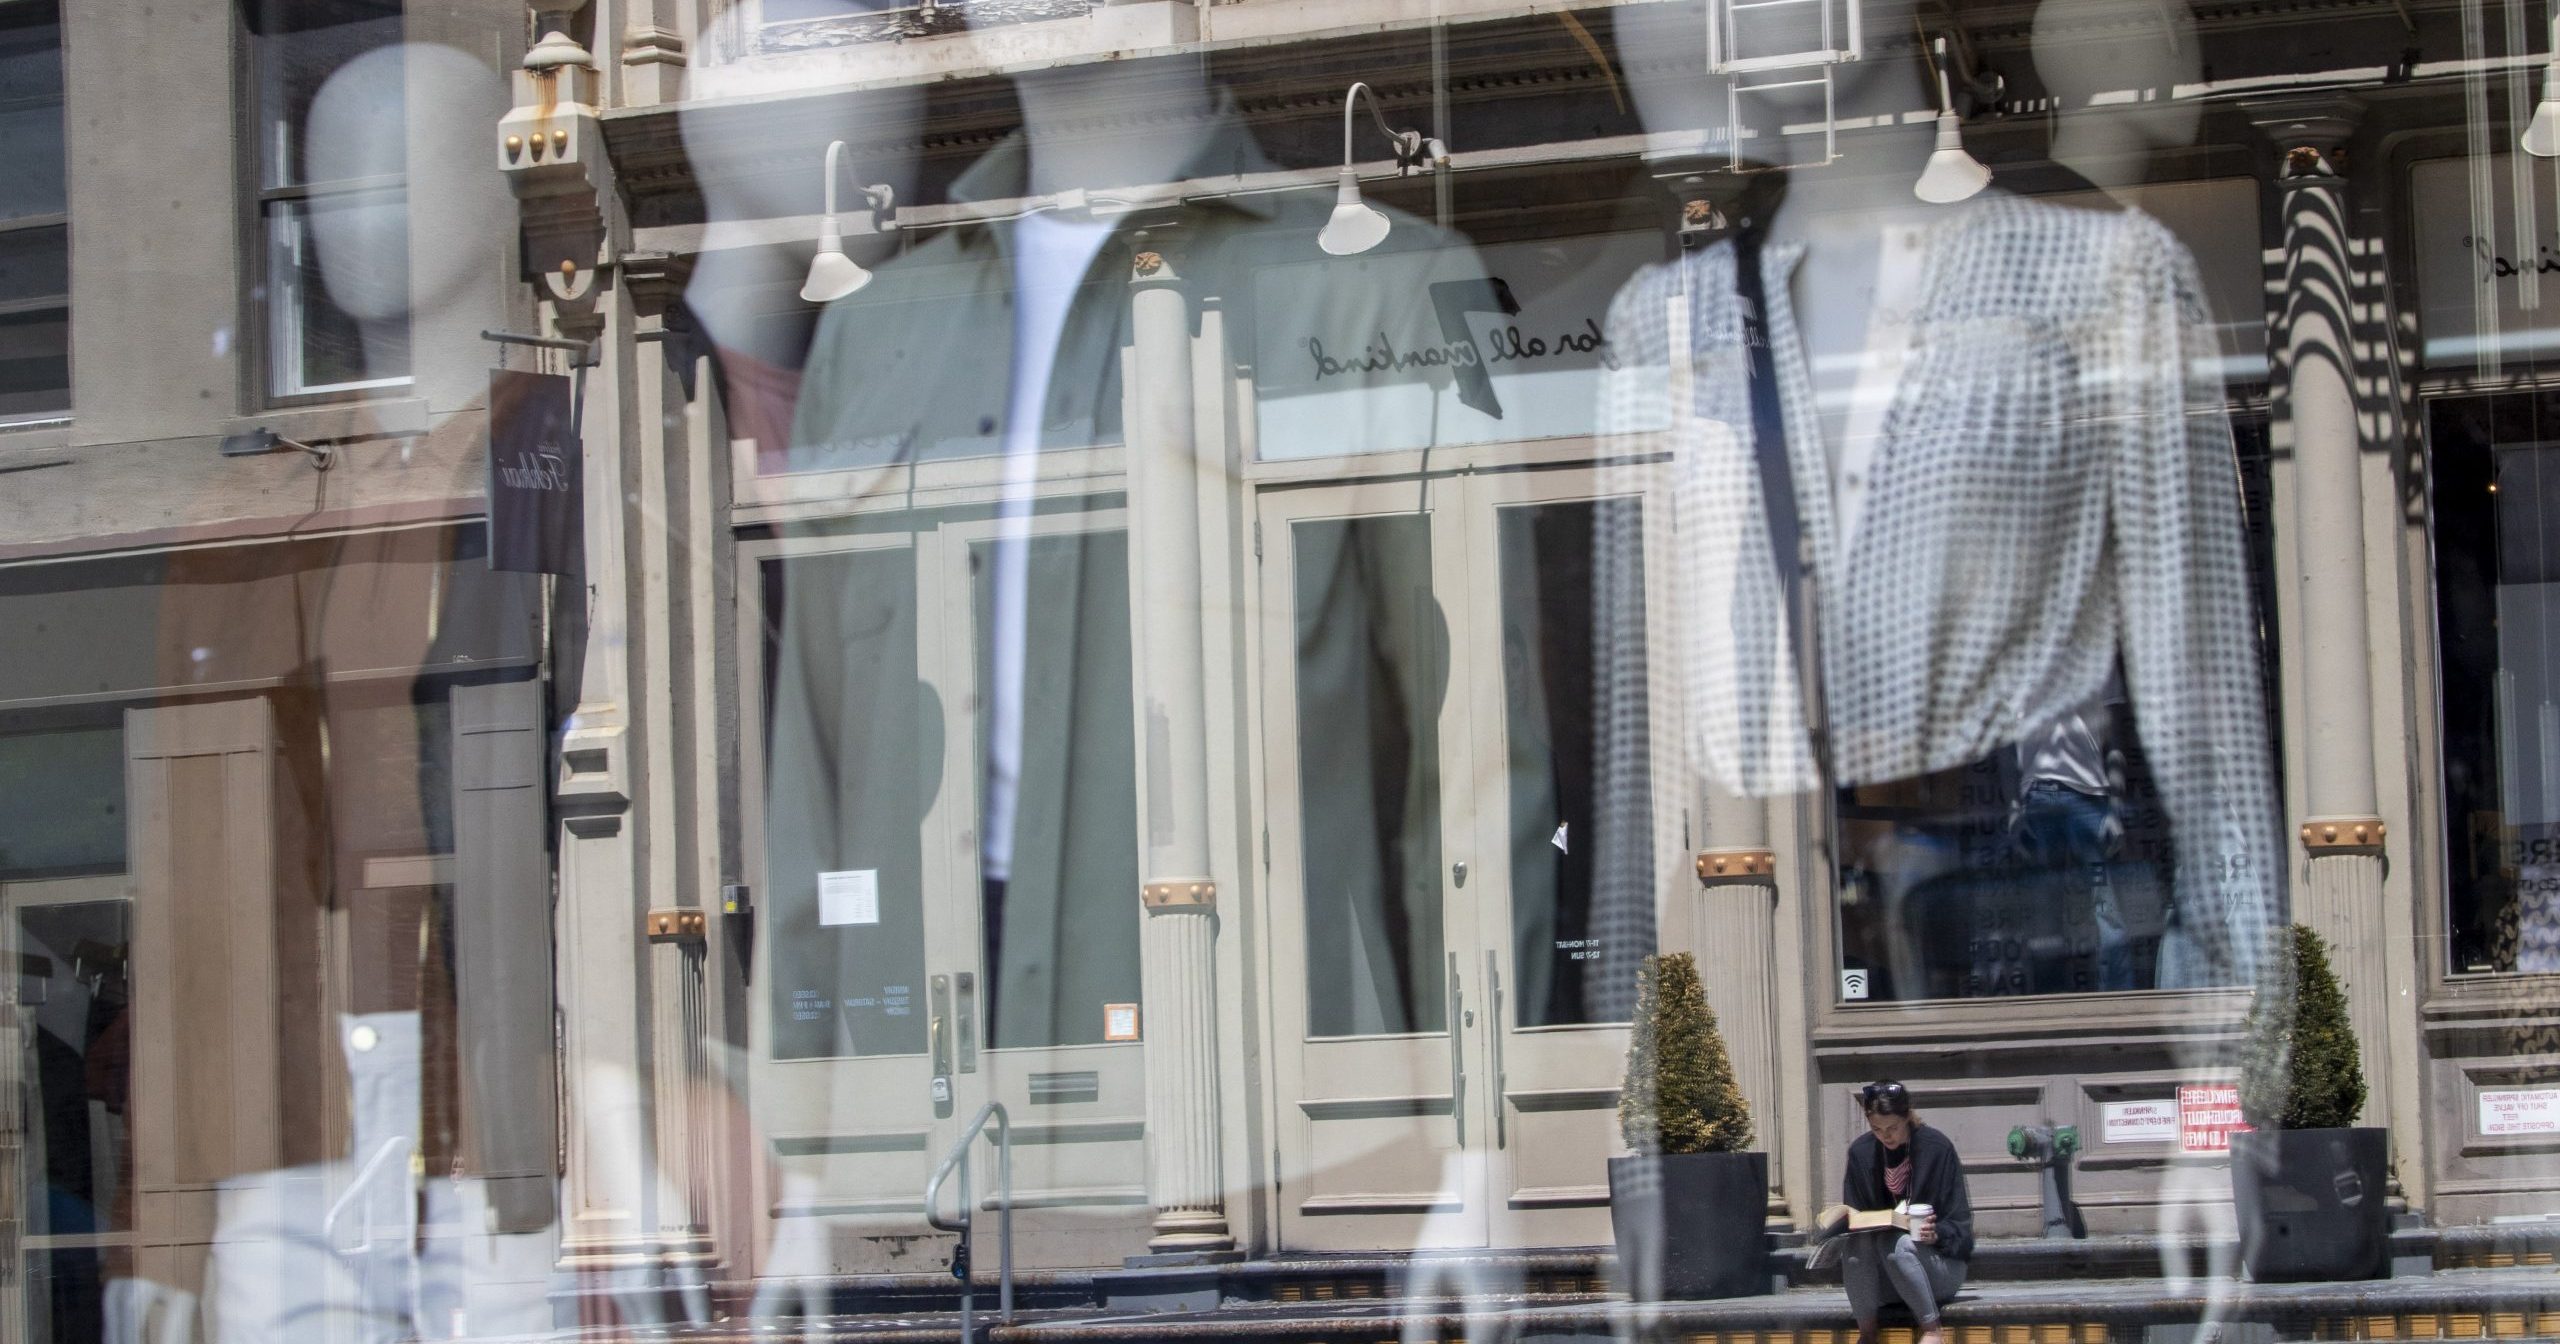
(835, 161)
(1406, 142)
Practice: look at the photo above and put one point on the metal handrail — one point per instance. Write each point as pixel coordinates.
(959, 1157)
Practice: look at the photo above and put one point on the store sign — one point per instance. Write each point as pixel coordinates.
(2488, 264)
(1403, 350)
(2208, 1115)
(537, 485)
(2153, 1121)
(2533, 1110)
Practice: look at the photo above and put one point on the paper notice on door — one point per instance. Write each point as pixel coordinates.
(849, 897)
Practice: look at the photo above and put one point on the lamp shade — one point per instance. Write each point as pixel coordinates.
(1951, 174)
(1355, 226)
(2542, 134)
(832, 274)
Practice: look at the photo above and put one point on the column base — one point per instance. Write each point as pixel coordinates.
(1182, 1259)
(1190, 1232)
(630, 1284)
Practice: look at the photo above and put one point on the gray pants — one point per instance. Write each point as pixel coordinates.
(1911, 1270)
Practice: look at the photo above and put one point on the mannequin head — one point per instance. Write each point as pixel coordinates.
(1102, 124)
(2112, 68)
(389, 263)
(744, 286)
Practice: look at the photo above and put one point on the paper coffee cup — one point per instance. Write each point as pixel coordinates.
(1917, 1212)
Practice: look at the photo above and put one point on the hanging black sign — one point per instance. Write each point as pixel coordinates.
(537, 490)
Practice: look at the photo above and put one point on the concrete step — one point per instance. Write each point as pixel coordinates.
(2462, 1304)
(2501, 1305)
(1588, 1273)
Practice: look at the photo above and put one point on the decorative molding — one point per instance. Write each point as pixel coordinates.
(1375, 1108)
(648, 44)
(929, 19)
(1165, 897)
(1529, 1100)
(1729, 867)
(2328, 836)
(1559, 1197)
(1432, 1202)
(830, 1145)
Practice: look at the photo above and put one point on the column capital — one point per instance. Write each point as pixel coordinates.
(1736, 867)
(2309, 134)
(2325, 836)
(1158, 245)
(1163, 898)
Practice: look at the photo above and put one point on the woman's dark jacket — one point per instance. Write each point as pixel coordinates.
(1937, 1179)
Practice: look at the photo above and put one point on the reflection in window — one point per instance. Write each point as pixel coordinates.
(71, 1001)
(2046, 866)
(851, 750)
(2495, 473)
(1061, 933)
(1372, 667)
(1548, 669)
(65, 788)
(35, 235)
(351, 203)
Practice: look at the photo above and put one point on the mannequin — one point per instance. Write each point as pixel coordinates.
(2008, 472)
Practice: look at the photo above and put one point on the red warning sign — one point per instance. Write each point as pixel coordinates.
(2208, 1115)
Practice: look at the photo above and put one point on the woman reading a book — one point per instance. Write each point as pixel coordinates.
(1907, 1225)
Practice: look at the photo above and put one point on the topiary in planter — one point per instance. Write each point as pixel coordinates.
(2308, 1186)
(1690, 1208)
(2302, 1069)
(1680, 1096)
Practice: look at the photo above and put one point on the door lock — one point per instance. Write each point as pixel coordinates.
(1458, 872)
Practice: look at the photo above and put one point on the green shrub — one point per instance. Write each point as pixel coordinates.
(2302, 1070)
(1680, 1095)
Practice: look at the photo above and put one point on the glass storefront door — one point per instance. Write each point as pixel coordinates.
(920, 689)
(1446, 944)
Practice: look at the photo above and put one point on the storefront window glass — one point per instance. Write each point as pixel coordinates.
(2495, 499)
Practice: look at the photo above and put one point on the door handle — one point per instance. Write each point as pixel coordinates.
(1493, 1049)
(1457, 1053)
(964, 994)
(938, 1034)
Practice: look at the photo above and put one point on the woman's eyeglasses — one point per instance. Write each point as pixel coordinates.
(1888, 1098)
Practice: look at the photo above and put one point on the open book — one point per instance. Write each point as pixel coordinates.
(1833, 1227)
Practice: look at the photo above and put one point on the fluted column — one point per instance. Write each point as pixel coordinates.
(1177, 946)
(1737, 919)
(2317, 375)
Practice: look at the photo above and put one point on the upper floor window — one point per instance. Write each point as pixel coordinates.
(35, 232)
(332, 202)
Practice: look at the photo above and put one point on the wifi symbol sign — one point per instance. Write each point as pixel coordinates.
(1853, 983)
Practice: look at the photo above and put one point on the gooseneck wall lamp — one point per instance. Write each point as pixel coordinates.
(2542, 134)
(1356, 225)
(832, 274)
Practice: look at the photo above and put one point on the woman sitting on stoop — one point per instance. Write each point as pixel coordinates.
(1900, 1163)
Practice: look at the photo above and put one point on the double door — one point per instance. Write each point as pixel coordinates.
(925, 687)
(1460, 750)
